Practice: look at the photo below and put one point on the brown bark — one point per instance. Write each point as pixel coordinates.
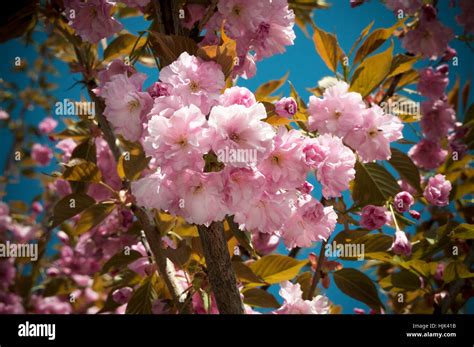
(219, 267)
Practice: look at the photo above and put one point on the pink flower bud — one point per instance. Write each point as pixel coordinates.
(401, 244)
(286, 107)
(122, 295)
(403, 201)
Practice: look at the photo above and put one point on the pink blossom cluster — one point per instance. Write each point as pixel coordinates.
(260, 29)
(214, 155)
(369, 131)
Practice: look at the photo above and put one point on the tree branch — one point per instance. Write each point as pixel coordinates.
(221, 274)
(317, 272)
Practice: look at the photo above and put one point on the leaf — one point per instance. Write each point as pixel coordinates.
(362, 35)
(142, 299)
(401, 63)
(132, 161)
(456, 270)
(453, 95)
(373, 184)
(403, 279)
(243, 237)
(275, 268)
(69, 206)
(123, 45)
(225, 54)
(359, 286)
(327, 47)
(371, 72)
(374, 41)
(169, 47)
(85, 150)
(120, 260)
(82, 171)
(358, 247)
(93, 215)
(406, 168)
(260, 298)
(463, 231)
(245, 273)
(269, 87)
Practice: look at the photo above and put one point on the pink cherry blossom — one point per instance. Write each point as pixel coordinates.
(239, 129)
(430, 38)
(7, 273)
(237, 96)
(193, 13)
(126, 105)
(335, 168)
(466, 18)
(202, 196)
(407, 6)
(401, 245)
(241, 186)
(158, 89)
(47, 125)
(196, 81)
(41, 154)
(4, 115)
(286, 107)
(266, 214)
(165, 106)
(403, 201)
(437, 191)
(337, 112)
(11, 303)
(295, 304)
(373, 137)
(136, 3)
(147, 191)
(286, 166)
(265, 243)
(92, 19)
(179, 141)
(310, 222)
(427, 154)
(275, 29)
(241, 15)
(433, 82)
(122, 296)
(51, 305)
(115, 67)
(67, 146)
(373, 217)
(437, 120)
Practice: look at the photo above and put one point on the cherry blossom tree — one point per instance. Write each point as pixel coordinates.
(192, 194)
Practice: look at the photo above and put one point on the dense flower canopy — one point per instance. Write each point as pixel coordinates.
(160, 183)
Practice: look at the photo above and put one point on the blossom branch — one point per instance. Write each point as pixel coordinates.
(221, 275)
(317, 272)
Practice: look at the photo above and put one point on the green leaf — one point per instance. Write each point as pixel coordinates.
(406, 168)
(143, 298)
(371, 72)
(93, 215)
(69, 206)
(81, 170)
(366, 244)
(359, 286)
(260, 298)
(402, 279)
(402, 63)
(132, 161)
(123, 45)
(120, 260)
(275, 268)
(456, 270)
(327, 47)
(373, 184)
(463, 231)
(85, 150)
(269, 87)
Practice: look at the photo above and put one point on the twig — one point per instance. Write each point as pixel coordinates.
(208, 15)
(317, 273)
(391, 88)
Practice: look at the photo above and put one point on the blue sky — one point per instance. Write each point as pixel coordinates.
(301, 61)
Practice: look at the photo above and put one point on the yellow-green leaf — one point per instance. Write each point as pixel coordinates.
(69, 206)
(269, 87)
(132, 162)
(260, 298)
(359, 286)
(327, 47)
(82, 171)
(372, 72)
(275, 268)
(463, 231)
(94, 215)
(406, 168)
(123, 45)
